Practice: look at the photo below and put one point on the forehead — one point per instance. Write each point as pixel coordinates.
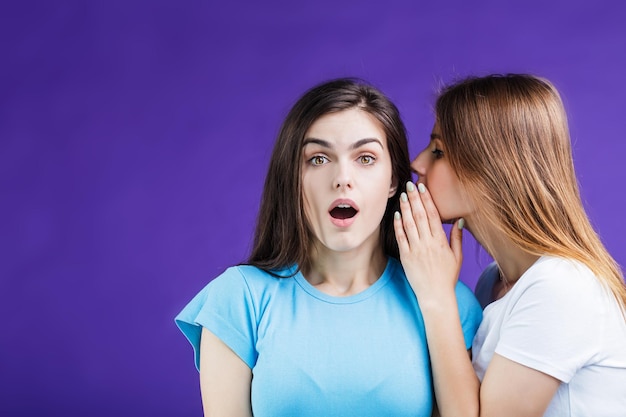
(347, 126)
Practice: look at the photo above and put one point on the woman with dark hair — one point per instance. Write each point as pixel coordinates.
(321, 320)
(553, 339)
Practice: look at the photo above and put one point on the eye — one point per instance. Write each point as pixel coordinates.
(438, 153)
(318, 160)
(367, 159)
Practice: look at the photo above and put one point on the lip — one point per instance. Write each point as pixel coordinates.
(343, 222)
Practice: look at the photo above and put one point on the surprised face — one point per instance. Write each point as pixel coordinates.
(346, 180)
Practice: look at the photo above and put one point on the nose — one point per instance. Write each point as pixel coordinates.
(420, 164)
(343, 176)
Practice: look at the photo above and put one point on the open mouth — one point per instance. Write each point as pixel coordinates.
(343, 211)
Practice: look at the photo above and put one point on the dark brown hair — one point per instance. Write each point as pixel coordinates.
(282, 237)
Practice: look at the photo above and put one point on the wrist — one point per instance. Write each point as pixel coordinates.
(438, 304)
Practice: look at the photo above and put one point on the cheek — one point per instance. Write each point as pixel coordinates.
(380, 188)
(439, 179)
(307, 200)
(311, 217)
(445, 190)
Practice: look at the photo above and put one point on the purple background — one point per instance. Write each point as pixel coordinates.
(134, 138)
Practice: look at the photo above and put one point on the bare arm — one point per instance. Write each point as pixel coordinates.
(225, 379)
(514, 390)
(455, 382)
(432, 266)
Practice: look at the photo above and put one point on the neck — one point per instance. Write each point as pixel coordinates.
(344, 273)
(512, 260)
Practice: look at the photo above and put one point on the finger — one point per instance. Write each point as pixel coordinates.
(417, 209)
(410, 228)
(456, 240)
(434, 220)
(403, 243)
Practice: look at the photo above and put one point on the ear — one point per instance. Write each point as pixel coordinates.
(393, 188)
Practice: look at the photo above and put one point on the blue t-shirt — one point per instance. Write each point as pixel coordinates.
(313, 354)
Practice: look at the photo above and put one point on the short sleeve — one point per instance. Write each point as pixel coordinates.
(470, 312)
(226, 308)
(553, 326)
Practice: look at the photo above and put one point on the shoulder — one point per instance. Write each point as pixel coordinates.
(230, 307)
(468, 304)
(559, 275)
(241, 282)
(553, 318)
(470, 312)
(241, 287)
(394, 267)
(558, 287)
(463, 293)
(485, 283)
(250, 277)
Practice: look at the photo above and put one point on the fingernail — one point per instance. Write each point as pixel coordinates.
(396, 215)
(410, 186)
(404, 197)
(461, 224)
(421, 187)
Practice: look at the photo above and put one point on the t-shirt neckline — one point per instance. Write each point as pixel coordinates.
(540, 260)
(350, 299)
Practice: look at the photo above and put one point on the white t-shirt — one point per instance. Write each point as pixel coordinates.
(559, 319)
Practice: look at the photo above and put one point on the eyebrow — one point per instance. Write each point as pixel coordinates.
(355, 145)
(434, 136)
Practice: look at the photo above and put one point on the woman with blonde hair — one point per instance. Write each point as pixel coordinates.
(553, 337)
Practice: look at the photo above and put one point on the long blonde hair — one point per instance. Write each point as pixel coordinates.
(507, 139)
